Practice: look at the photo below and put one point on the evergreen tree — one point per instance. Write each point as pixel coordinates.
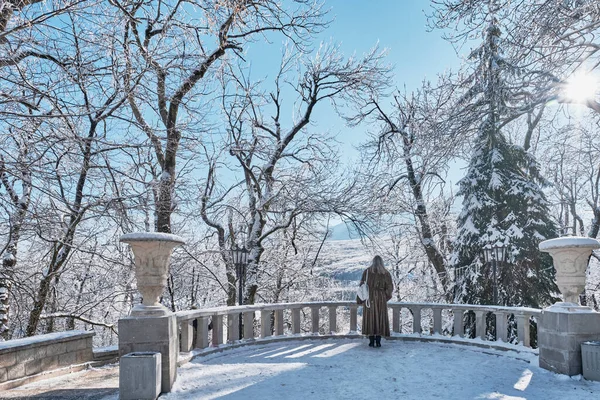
(503, 202)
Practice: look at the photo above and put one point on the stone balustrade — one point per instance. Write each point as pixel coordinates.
(285, 320)
(43, 356)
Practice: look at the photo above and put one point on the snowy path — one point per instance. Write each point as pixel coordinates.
(339, 369)
(349, 369)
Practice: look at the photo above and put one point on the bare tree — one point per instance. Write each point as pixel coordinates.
(413, 142)
(70, 92)
(286, 171)
(12, 173)
(182, 52)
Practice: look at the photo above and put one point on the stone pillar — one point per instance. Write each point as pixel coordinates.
(151, 326)
(295, 321)
(152, 334)
(560, 334)
(187, 336)
(248, 317)
(396, 319)
(265, 323)
(353, 318)
(314, 311)
(217, 330)
(278, 322)
(523, 330)
(437, 321)
(480, 324)
(459, 329)
(565, 326)
(202, 341)
(233, 327)
(332, 320)
(416, 312)
(501, 326)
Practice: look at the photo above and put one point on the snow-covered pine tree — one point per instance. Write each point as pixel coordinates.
(503, 202)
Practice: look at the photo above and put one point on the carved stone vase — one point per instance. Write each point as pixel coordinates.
(152, 253)
(571, 256)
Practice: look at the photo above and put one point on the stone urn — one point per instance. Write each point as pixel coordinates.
(152, 253)
(570, 255)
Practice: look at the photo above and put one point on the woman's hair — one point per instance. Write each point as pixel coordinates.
(377, 265)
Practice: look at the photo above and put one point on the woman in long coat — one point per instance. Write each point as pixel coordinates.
(376, 323)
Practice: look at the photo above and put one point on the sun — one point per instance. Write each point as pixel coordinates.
(581, 87)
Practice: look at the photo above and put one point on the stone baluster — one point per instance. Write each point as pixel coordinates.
(296, 321)
(396, 319)
(332, 319)
(437, 321)
(278, 322)
(314, 311)
(265, 323)
(523, 329)
(501, 326)
(459, 327)
(187, 336)
(233, 327)
(217, 330)
(416, 312)
(480, 324)
(248, 318)
(202, 333)
(353, 318)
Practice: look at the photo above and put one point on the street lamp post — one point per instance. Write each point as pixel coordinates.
(240, 260)
(494, 254)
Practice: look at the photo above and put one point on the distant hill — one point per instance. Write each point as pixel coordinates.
(343, 232)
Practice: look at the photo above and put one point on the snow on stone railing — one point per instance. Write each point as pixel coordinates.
(281, 320)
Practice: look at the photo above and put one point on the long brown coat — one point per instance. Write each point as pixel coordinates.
(375, 319)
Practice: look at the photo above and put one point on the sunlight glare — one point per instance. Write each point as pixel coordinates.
(310, 351)
(338, 350)
(581, 87)
(523, 382)
(288, 351)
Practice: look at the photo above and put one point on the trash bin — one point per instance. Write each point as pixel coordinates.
(140, 376)
(590, 358)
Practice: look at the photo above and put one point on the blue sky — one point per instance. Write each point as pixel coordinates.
(397, 25)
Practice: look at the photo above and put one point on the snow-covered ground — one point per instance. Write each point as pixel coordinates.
(340, 369)
(349, 369)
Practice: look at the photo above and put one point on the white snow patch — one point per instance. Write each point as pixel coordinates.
(39, 339)
(151, 236)
(570, 241)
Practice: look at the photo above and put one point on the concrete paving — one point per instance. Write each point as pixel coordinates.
(93, 384)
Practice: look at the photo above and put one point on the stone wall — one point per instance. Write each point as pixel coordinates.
(37, 355)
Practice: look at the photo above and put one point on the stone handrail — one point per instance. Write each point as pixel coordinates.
(200, 333)
(24, 360)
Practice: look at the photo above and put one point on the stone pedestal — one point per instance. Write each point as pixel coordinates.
(561, 332)
(154, 334)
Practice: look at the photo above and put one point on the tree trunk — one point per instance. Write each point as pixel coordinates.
(433, 254)
(171, 290)
(38, 306)
(63, 247)
(16, 220)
